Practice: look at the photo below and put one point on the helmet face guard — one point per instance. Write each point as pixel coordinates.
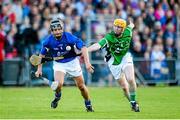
(56, 26)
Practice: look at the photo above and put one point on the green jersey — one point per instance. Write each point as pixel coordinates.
(117, 46)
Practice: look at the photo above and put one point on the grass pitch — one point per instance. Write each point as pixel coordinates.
(108, 102)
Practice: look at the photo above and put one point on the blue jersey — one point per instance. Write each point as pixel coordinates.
(59, 47)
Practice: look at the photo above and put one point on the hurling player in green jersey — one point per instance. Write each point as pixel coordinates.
(120, 62)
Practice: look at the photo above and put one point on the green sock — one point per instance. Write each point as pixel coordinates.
(132, 96)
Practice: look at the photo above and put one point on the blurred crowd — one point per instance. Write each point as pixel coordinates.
(25, 23)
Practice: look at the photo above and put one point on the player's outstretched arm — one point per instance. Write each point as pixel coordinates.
(94, 47)
(131, 24)
(38, 73)
(85, 54)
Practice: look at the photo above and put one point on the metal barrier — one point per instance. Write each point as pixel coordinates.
(12, 72)
(147, 74)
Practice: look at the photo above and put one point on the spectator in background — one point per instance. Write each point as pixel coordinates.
(169, 32)
(157, 58)
(140, 25)
(147, 48)
(144, 35)
(88, 12)
(34, 11)
(160, 14)
(101, 6)
(137, 47)
(76, 30)
(10, 49)
(46, 14)
(120, 11)
(156, 30)
(149, 19)
(170, 49)
(18, 11)
(80, 5)
(171, 53)
(7, 16)
(30, 38)
(44, 30)
(170, 18)
(2, 52)
(159, 41)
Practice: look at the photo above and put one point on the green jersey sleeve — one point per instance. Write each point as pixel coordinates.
(102, 42)
(128, 32)
(108, 37)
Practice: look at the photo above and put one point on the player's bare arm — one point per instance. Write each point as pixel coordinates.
(94, 47)
(85, 54)
(131, 24)
(39, 69)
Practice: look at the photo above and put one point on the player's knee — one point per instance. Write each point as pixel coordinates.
(122, 85)
(130, 78)
(132, 82)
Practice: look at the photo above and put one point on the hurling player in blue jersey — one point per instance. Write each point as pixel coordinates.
(61, 43)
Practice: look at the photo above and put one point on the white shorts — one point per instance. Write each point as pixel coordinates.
(116, 70)
(73, 67)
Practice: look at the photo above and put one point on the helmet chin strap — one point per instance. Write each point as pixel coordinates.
(58, 37)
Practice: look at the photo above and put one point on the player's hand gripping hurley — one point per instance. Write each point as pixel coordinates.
(36, 60)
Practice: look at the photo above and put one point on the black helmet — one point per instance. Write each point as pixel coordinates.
(56, 23)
